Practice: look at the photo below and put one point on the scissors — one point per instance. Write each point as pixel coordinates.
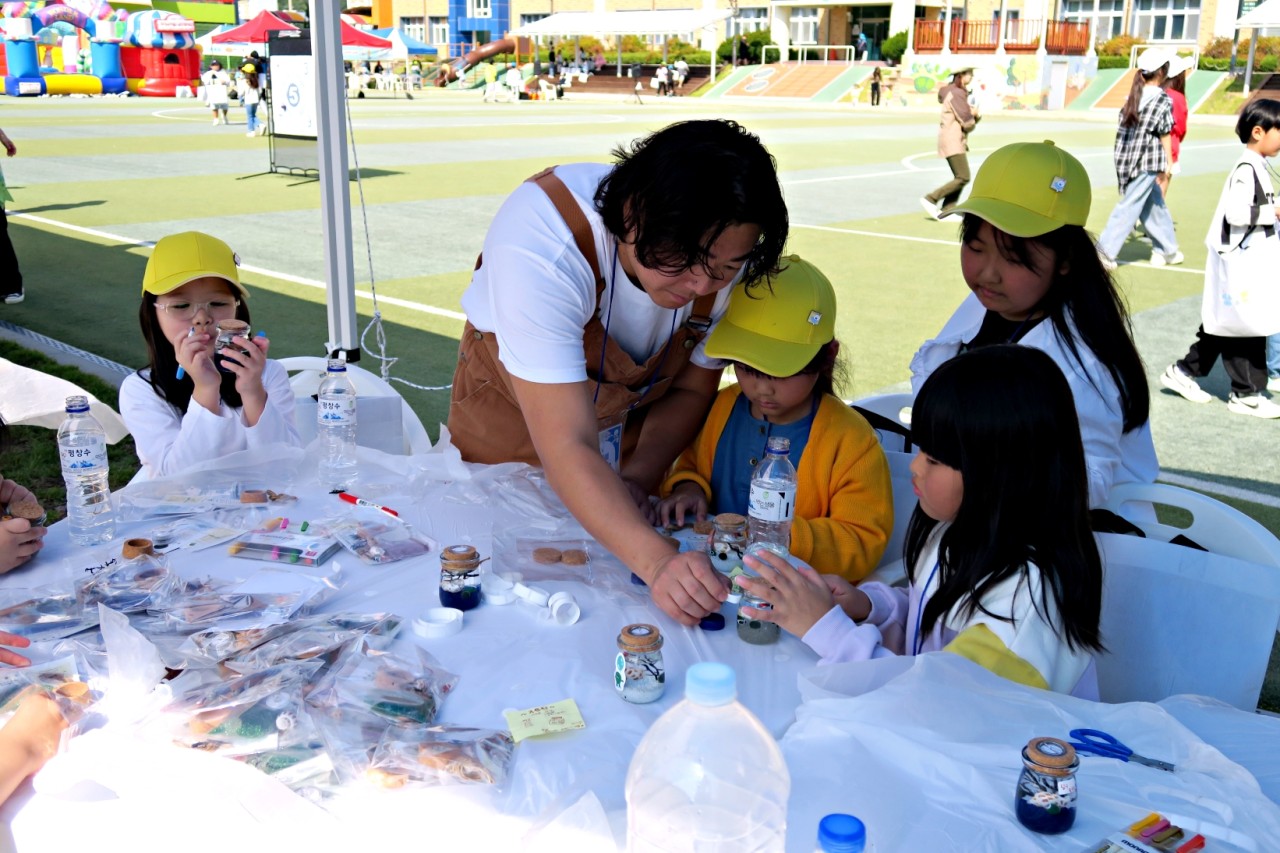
(1098, 742)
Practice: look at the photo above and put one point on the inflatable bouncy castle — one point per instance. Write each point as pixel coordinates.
(150, 53)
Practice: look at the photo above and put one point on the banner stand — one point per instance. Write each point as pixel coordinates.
(291, 105)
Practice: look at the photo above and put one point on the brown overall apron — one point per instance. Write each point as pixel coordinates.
(484, 418)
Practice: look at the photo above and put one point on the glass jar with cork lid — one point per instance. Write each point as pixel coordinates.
(638, 673)
(1045, 800)
(460, 577)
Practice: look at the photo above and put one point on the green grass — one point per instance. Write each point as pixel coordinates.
(1227, 98)
(31, 456)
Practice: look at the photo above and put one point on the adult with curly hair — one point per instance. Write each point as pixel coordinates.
(587, 313)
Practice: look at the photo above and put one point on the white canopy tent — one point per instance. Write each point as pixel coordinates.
(651, 23)
(1264, 16)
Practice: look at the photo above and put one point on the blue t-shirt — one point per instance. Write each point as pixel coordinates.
(742, 446)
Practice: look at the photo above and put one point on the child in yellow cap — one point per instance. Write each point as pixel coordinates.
(781, 340)
(1036, 279)
(186, 407)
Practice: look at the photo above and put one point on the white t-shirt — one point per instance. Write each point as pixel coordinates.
(217, 87)
(536, 292)
(168, 441)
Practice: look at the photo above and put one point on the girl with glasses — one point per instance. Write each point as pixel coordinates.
(185, 406)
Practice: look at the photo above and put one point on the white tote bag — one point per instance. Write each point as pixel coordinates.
(1241, 287)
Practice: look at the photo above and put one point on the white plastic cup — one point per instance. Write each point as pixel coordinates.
(564, 610)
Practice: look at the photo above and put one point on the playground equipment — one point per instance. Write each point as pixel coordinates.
(456, 68)
(149, 53)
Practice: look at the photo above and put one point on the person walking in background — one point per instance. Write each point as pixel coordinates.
(251, 98)
(1176, 88)
(860, 47)
(490, 81)
(10, 275)
(956, 123)
(876, 80)
(1142, 154)
(1244, 224)
(217, 91)
(744, 50)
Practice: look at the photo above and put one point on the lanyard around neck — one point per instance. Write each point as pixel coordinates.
(916, 641)
(608, 316)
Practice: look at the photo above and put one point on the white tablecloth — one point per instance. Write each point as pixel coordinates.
(936, 748)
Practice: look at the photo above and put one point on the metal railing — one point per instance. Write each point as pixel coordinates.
(1020, 36)
(824, 53)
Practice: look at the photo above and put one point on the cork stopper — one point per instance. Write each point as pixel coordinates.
(1051, 755)
(459, 558)
(726, 520)
(640, 638)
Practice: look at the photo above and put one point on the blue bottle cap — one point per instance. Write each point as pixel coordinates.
(709, 683)
(712, 622)
(841, 833)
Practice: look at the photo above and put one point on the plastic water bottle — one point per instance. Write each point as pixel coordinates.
(841, 833)
(707, 777)
(336, 427)
(82, 447)
(773, 497)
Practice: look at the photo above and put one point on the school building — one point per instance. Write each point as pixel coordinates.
(975, 25)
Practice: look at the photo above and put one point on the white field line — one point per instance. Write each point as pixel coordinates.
(294, 279)
(1222, 489)
(1174, 479)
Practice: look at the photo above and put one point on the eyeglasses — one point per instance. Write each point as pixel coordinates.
(217, 308)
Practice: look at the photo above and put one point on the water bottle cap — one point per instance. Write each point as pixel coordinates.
(842, 833)
(337, 365)
(779, 445)
(712, 684)
(77, 403)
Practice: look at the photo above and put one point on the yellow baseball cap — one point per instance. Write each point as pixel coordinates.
(182, 258)
(1028, 189)
(778, 332)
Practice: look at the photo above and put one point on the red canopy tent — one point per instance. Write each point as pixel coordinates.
(354, 37)
(254, 31)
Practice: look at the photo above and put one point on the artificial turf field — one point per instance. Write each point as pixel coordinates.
(97, 178)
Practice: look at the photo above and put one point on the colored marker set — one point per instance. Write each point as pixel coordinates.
(278, 541)
(1153, 834)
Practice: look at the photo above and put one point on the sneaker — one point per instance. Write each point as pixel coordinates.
(14, 299)
(1176, 379)
(262, 130)
(215, 121)
(930, 207)
(1256, 405)
(1160, 259)
(1109, 264)
(1273, 384)
(252, 133)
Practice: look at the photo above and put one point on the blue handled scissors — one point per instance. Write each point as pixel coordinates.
(1097, 742)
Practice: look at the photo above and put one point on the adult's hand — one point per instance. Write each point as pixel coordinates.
(686, 587)
(9, 147)
(13, 658)
(19, 542)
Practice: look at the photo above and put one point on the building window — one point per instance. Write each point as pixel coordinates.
(414, 28)
(479, 9)
(1166, 20)
(526, 20)
(439, 30)
(1110, 16)
(804, 25)
(749, 21)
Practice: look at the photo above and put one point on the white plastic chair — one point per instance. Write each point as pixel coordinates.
(1214, 526)
(305, 382)
(1178, 620)
(893, 407)
(891, 569)
(547, 91)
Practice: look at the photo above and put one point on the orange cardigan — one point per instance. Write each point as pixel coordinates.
(844, 498)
